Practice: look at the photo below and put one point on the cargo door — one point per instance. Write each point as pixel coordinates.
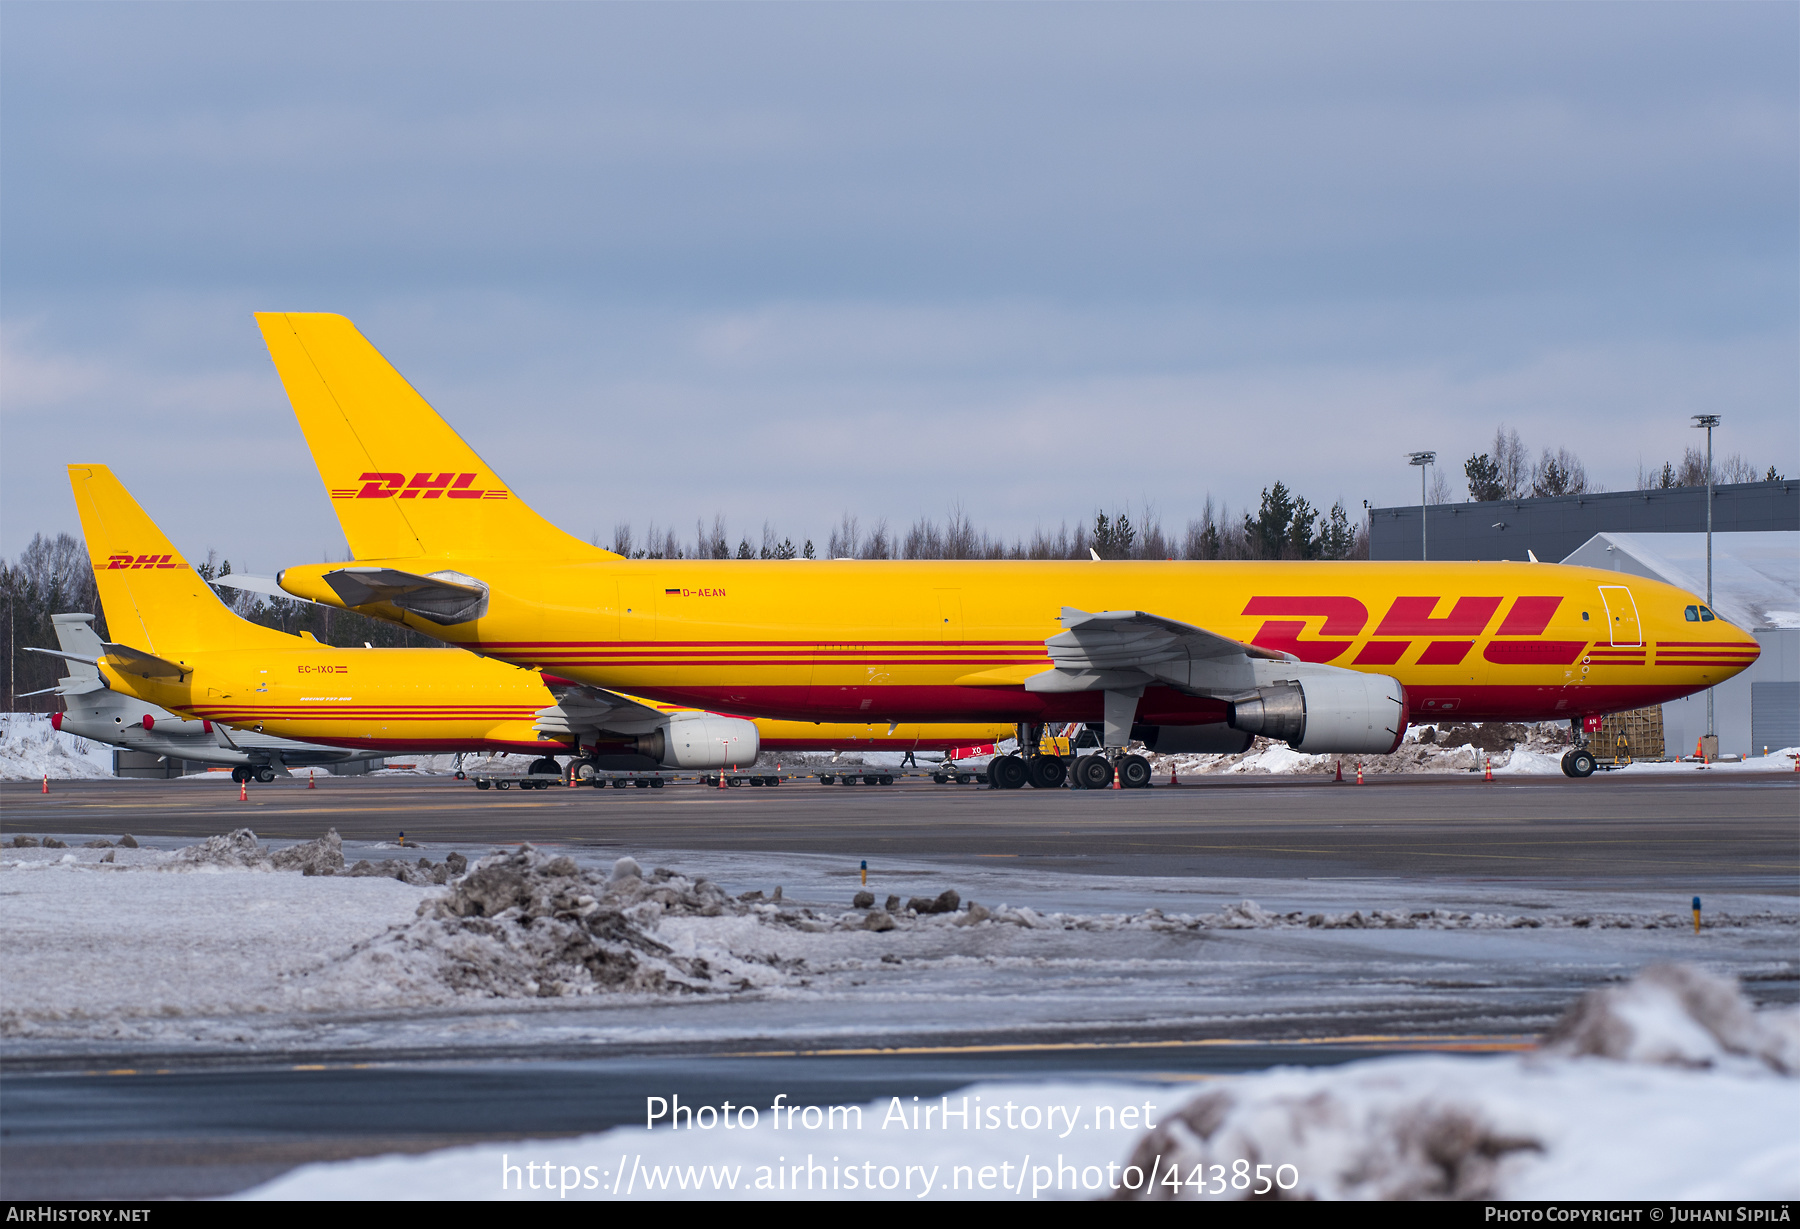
(1621, 617)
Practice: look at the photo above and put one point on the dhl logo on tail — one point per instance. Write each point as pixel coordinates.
(120, 563)
(421, 486)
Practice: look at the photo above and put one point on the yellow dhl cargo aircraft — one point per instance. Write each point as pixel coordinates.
(1331, 657)
(178, 646)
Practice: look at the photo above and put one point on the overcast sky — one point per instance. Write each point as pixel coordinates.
(784, 261)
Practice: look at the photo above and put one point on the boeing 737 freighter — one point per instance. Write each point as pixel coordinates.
(178, 646)
(1330, 657)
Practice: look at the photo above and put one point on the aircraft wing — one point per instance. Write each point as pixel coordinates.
(580, 709)
(1123, 649)
(442, 597)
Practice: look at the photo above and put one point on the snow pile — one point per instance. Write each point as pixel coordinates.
(1678, 1015)
(239, 851)
(1248, 915)
(1448, 747)
(30, 750)
(1549, 1125)
(528, 925)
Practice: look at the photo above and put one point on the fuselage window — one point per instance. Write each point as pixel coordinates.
(1584, 617)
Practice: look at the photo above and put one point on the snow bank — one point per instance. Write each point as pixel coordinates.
(30, 749)
(1550, 1125)
(1545, 1126)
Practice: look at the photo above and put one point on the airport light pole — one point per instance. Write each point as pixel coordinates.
(1423, 460)
(1709, 421)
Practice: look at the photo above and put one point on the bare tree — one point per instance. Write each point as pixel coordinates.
(1512, 462)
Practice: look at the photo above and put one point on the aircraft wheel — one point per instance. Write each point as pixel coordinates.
(940, 778)
(1008, 772)
(1581, 763)
(545, 764)
(1046, 771)
(265, 774)
(462, 776)
(1134, 772)
(479, 784)
(239, 774)
(1093, 772)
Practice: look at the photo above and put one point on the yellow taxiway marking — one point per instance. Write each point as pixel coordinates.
(1435, 1042)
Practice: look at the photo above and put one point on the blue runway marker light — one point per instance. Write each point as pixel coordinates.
(1696, 915)
(865, 873)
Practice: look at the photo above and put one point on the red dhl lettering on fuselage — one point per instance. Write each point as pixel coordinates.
(120, 563)
(420, 486)
(1448, 637)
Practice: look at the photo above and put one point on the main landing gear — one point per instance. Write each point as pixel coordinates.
(1052, 772)
(253, 772)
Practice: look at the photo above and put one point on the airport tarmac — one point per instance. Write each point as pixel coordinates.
(215, 1118)
(1737, 831)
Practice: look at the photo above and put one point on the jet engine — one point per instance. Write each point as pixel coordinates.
(702, 742)
(1216, 738)
(1340, 711)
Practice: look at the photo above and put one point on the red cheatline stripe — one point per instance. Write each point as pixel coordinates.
(791, 646)
(1705, 644)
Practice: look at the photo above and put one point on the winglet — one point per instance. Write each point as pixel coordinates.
(403, 484)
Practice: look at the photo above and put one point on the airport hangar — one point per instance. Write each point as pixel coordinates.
(1659, 534)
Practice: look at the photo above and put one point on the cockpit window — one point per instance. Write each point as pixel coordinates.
(1706, 616)
(1692, 613)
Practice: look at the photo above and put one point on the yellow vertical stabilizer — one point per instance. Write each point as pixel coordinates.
(153, 600)
(403, 484)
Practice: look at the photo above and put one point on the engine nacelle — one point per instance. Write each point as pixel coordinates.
(702, 742)
(1216, 738)
(1340, 711)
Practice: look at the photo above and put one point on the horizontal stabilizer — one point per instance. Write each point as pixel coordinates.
(255, 584)
(125, 658)
(442, 597)
(148, 665)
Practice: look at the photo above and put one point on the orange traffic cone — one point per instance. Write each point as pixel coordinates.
(1488, 774)
(1340, 772)
(1172, 780)
(1115, 783)
(243, 791)
(312, 780)
(1359, 779)
(46, 783)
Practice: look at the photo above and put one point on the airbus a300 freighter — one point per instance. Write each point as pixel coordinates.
(1330, 657)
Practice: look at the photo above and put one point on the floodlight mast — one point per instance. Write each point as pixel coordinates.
(1423, 460)
(1709, 421)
